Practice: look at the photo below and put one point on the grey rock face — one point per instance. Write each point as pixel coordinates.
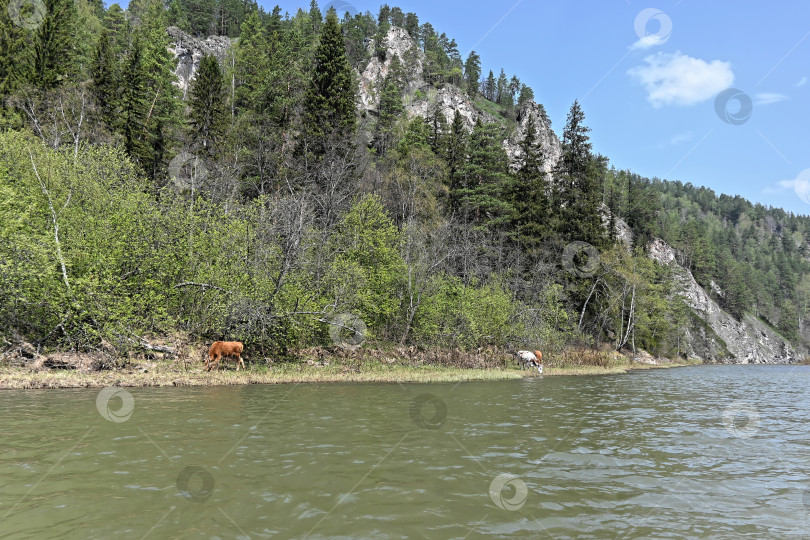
(422, 99)
(189, 50)
(720, 337)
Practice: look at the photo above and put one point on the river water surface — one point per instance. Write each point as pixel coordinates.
(700, 452)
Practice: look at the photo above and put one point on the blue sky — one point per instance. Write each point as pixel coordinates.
(648, 76)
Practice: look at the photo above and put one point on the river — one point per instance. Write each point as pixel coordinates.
(695, 452)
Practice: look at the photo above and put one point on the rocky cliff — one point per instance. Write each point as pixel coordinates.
(714, 335)
(189, 50)
(422, 99)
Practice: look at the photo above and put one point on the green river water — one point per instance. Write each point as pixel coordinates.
(696, 452)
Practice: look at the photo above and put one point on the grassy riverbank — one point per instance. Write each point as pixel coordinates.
(175, 373)
(165, 373)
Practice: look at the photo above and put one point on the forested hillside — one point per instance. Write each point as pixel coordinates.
(283, 189)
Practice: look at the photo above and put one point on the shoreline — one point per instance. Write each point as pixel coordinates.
(163, 373)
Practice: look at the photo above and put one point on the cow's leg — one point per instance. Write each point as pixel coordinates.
(241, 363)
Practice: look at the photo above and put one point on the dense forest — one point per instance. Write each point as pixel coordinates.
(263, 203)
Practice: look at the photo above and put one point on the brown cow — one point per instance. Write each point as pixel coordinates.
(224, 348)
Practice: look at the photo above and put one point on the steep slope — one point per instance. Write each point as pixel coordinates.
(422, 99)
(716, 336)
(189, 50)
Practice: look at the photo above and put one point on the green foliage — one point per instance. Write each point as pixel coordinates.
(466, 316)
(368, 269)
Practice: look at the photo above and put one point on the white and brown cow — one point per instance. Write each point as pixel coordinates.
(529, 359)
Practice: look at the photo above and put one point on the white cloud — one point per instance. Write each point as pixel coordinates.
(678, 138)
(766, 98)
(801, 82)
(686, 136)
(646, 42)
(780, 187)
(679, 79)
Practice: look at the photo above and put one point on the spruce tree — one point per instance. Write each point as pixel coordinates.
(472, 73)
(483, 196)
(412, 25)
(53, 47)
(105, 79)
(250, 64)
(315, 16)
(455, 153)
(529, 195)
(207, 114)
(390, 107)
(489, 86)
(329, 106)
(502, 93)
(15, 56)
(438, 130)
(164, 112)
(134, 106)
(578, 174)
(200, 15)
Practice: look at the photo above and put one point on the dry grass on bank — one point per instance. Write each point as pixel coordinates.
(25, 369)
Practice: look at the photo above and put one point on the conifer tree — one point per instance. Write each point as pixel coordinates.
(164, 110)
(105, 79)
(390, 107)
(133, 105)
(200, 15)
(176, 16)
(455, 153)
(53, 48)
(15, 56)
(578, 174)
(329, 106)
(533, 220)
(437, 124)
(285, 84)
(490, 86)
(250, 64)
(502, 93)
(412, 25)
(472, 73)
(485, 179)
(207, 103)
(526, 94)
